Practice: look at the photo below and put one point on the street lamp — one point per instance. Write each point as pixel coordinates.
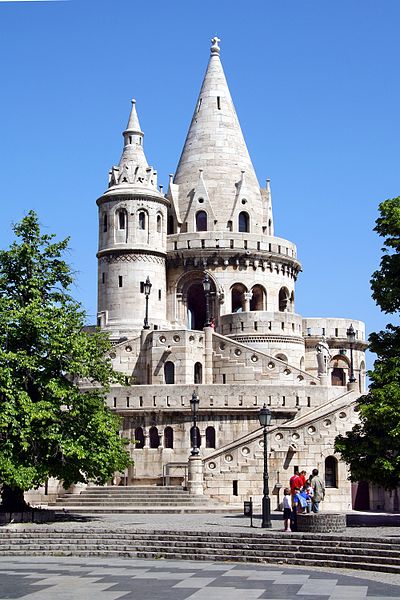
(147, 289)
(194, 403)
(207, 289)
(264, 416)
(351, 338)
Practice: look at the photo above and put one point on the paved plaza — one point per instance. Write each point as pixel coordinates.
(52, 578)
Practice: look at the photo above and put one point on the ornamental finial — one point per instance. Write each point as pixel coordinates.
(215, 49)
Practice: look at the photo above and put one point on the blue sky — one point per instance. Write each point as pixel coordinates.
(316, 86)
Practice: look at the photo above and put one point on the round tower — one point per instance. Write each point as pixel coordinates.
(132, 242)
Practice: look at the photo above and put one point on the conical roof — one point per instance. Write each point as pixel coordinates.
(133, 172)
(216, 145)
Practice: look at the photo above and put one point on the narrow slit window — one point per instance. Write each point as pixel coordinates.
(105, 222)
(219, 102)
(121, 219)
(119, 280)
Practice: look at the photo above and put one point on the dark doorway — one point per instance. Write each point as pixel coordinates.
(196, 306)
(360, 493)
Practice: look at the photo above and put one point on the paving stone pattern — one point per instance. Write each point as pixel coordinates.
(130, 579)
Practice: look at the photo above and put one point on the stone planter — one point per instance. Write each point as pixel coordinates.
(321, 522)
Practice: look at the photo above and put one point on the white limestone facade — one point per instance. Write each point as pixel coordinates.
(240, 346)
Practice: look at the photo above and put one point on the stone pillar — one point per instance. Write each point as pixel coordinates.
(323, 379)
(208, 374)
(195, 476)
(247, 298)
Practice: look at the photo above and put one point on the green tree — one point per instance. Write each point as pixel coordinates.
(50, 426)
(372, 448)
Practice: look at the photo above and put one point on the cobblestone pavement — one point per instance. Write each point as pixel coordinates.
(50, 578)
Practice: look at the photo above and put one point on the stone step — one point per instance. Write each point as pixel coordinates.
(215, 548)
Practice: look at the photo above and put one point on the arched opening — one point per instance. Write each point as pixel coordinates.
(339, 367)
(168, 437)
(142, 220)
(331, 467)
(159, 223)
(105, 223)
(361, 377)
(201, 220)
(257, 299)
(154, 438)
(198, 373)
(237, 297)
(302, 363)
(121, 219)
(195, 441)
(169, 372)
(244, 222)
(338, 376)
(282, 357)
(283, 299)
(139, 438)
(210, 437)
(196, 306)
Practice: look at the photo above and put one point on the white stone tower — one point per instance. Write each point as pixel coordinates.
(222, 224)
(132, 241)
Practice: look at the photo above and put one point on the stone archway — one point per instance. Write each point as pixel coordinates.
(192, 302)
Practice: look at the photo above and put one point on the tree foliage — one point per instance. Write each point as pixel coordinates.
(372, 448)
(49, 425)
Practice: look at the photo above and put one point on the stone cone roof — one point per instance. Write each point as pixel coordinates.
(215, 144)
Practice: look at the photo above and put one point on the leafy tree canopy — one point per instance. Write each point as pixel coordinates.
(372, 448)
(49, 426)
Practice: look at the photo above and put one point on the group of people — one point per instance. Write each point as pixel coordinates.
(303, 495)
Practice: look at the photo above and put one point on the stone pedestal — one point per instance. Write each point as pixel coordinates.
(195, 476)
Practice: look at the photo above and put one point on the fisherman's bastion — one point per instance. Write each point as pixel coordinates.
(198, 296)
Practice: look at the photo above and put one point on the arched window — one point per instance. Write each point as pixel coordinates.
(168, 437)
(210, 437)
(195, 431)
(105, 223)
(201, 221)
(257, 299)
(244, 222)
(154, 438)
(282, 357)
(339, 366)
(237, 296)
(169, 372)
(139, 438)
(331, 465)
(142, 220)
(198, 373)
(361, 377)
(159, 223)
(170, 225)
(283, 299)
(121, 219)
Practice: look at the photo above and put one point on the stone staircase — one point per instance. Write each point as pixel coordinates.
(370, 554)
(137, 499)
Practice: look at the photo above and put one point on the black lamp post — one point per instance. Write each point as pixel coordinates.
(194, 403)
(351, 338)
(207, 289)
(264, 417)
(147, 289)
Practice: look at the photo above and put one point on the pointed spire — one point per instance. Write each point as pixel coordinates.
(133, 168)
(215, 144)
(133, 127)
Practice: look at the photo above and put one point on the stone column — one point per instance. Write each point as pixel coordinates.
(247, 298)
(208, 374)
(195, 476)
